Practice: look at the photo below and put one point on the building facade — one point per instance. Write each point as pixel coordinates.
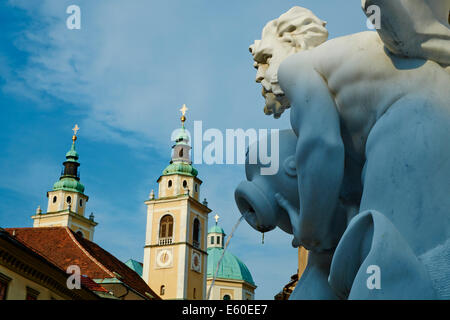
(37, 262)
(27, 275)
(175, 256)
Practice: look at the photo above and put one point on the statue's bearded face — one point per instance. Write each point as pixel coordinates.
(268, 54)
(296, 30)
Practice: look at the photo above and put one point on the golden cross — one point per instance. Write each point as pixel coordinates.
(75, 129)
(184, 109)
(217, 218)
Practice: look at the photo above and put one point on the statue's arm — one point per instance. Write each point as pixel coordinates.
(319, 155)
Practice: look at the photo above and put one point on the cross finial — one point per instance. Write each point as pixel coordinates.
(75, 131)
(183, 112)
(216, 217)
(184, 109)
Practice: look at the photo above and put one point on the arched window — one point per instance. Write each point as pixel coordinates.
(169, 184)
(54, 199)
(184, 183)
(80, 233)
(69, 199)
(196, 188)
(81, 202)
(181, 153)
(226, 297)
(196, 232)
(166, 227)
(162, 290)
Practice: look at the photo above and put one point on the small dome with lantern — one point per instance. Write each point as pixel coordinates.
(70, 178)
(231, 268)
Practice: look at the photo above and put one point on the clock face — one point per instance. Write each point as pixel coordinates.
(164, 258)
(196, 262)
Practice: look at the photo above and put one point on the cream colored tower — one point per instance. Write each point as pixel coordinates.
(177, 223)
(67, 201)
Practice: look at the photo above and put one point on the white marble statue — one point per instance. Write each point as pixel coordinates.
(371, 112)
(296, 30)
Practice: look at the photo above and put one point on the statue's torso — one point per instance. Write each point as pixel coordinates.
(365, 81)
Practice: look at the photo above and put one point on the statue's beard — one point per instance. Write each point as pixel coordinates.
(275, 103)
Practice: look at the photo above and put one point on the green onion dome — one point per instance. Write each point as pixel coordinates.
(68, 184)
(70, 178)
(72, 154)
(180, 168)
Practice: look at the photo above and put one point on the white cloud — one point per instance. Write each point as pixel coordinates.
(130, 67)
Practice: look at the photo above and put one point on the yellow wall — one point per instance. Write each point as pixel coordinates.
(63, 219)
(17, 287)
(229, 292)
(61, 201)
(195, 279)
(202, 217)
(164, 276)
(47, 220)
(173, 209)
(238, 290)
(179, 280)
(177, 186)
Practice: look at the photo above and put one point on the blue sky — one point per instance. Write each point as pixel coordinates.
(122, 78)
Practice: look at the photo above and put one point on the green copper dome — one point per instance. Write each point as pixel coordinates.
(68, 184)
(180, 168)
(72, 154)
(70, 177)
(230, 268)
(216, 229)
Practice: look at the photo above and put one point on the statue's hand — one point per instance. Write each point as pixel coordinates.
(293, 213)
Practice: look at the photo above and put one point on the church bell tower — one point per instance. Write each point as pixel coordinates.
(175, 252)
(67, 201)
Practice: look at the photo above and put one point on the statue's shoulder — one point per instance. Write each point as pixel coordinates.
(350, 44)
(333, 53)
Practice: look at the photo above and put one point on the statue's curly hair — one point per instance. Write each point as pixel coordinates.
(299, 26)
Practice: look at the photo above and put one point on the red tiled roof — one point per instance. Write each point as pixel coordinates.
(63, 247)
(92, 285)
